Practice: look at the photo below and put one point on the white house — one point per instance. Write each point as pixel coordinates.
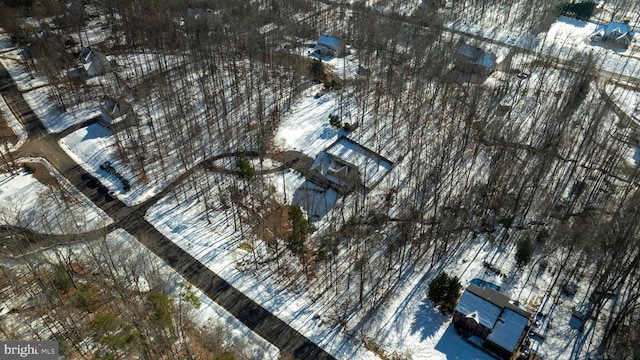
(619, 33)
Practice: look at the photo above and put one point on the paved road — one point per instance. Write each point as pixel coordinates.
(131, 219)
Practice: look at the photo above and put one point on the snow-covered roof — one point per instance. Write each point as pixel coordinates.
(334, 169)
(371, 166)
(470, 51)
(488, 304)
(329, 41)
(114, 110)
(88, 55)
(478, 56)
(614, 30)
(482, 311)
(618, 27)
(508, 329)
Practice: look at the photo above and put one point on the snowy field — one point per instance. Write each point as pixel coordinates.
(306, 126)
(91, 147)
(54, 208)
(50, 115)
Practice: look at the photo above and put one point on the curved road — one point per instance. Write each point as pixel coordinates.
(131, 219)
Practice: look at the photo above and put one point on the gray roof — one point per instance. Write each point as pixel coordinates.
(508, 329)
(482, 311)
(497, 299)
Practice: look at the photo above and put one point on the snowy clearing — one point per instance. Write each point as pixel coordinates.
(56, 208)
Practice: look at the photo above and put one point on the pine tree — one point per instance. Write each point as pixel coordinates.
(524, 252)
(444, 291)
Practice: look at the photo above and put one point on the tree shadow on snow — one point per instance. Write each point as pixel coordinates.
(454, 347)
(427, 320)
(315, 200)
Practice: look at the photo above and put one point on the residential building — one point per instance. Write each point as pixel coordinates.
(491, 316)
(94, 63)
(618, 33)
(473, 59)
(117, 114)
(329, 46)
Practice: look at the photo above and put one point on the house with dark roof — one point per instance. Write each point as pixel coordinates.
(473, 59)
(329, 46)
(117, 114)
(94, 63)
(618, 33)
(491, 316)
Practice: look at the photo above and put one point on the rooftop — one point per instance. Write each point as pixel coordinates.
(508, 329)
(483, 312)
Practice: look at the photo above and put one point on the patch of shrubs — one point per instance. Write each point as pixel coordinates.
(28, 168)
(106, 166)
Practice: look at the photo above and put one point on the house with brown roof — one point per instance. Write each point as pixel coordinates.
(500, 323)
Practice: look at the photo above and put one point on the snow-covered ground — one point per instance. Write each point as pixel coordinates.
(627, 100)
(129, 252)
(406, 325)
(306, 127)
(53, 208)
(25, 80)
(92, 146)
(215, 242)
(50, 115)
(15, 125)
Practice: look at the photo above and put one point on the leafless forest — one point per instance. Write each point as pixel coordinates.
(534, 158)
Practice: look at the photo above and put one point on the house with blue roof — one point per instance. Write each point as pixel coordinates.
(329, 46)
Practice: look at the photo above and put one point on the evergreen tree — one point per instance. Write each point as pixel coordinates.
(245, 169)
(524, 252)
(444, 291)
